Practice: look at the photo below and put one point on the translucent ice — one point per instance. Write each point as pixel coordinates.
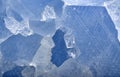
(28, 71)
(85, 2)
(19, 49)
(17, 27)
(48, 13)
(39, 27)
(59, 38)
(42, 58)
(96, 37)
(15, 72)
(72, 65)
(113, 8)
(4, 32)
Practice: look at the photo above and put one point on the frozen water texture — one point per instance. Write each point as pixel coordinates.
(39, 27)
(85, 2)
(48, 13)
(88, 32)
(28, 71)
(113, 8)
(20, 49)
(42, 57)
(4, 32)
(59, 38)
(16, 27)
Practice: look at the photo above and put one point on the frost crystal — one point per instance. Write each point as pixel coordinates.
(48, 13)
(17, 27)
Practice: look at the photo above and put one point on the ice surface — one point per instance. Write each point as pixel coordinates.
(33, 9)
(73, 68)
(113, 8)
(48, 13)
(4, 32)
(19, 49)
(19, 27)
(69, 38)
(15, 72)
(42, 58)
(85, 2)
(39, 27)
(96, 37)
(11, 13)
(59, 38)
(28, 71)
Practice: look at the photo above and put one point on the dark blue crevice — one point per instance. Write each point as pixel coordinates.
(15, 72)
(59, 52)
